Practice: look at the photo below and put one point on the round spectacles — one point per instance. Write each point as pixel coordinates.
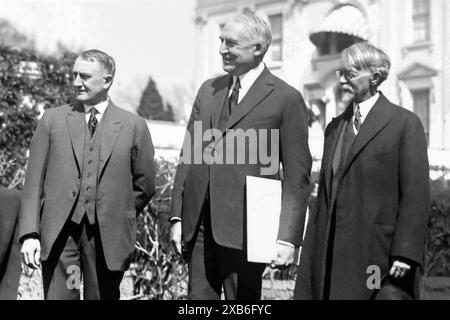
(350, 74)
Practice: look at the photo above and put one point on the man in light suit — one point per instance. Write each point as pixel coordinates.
(90, 173)
(208, 204)
(366, 238)
(9, 248)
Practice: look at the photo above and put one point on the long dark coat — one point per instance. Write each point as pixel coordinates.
(378, 209)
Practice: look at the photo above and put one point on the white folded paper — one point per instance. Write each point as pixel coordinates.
(263, 218)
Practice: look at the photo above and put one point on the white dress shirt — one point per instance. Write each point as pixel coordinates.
(247, 80)
(364, 109)
(101, 108)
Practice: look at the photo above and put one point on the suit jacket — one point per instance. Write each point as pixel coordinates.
(125, 181)
(269, 104)
(10, 258)
(378, 210)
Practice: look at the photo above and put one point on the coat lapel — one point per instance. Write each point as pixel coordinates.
(378, 117)
(261, 88)
(331, 144)
(219, 96)
(76, 123)
(110, 132)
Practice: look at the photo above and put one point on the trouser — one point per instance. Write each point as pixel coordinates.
(213, 267)
(78, 254)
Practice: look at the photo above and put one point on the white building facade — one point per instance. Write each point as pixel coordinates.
(309, 35)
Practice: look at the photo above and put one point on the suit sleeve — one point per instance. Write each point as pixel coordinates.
(184, 162)
(414, 193)
(143, 167)
(296, 160)
(32, 197)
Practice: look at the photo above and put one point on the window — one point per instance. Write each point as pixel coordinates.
(276, 24)
(421, 20)
(421, 101)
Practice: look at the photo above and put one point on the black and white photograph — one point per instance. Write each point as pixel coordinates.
(248, 151)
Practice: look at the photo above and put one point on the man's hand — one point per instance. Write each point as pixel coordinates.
(31, 253)
(175, 235)
(399, 269)
(284, 256)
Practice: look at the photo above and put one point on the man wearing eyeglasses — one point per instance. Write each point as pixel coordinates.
(208, 200)
(366, 238)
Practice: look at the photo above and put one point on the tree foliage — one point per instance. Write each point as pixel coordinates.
(29, 83)
(151, 106)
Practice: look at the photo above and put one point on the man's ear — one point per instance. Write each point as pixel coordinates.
(108, 80)
(376, 79)
(258, 49)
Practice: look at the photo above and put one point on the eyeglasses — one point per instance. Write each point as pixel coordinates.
(230, 44)
(350, 74)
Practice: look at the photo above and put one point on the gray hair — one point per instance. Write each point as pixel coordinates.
(364, 56)
(104, 59)
(258, 29)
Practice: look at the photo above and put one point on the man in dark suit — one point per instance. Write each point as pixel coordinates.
(208, 204)
(9, 248)
(90, 173)
(366, 238)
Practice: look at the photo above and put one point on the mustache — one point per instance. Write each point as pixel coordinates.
(347, 88)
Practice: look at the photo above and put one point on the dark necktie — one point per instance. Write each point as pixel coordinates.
(92, 124)
(357, 119)
(234, 97)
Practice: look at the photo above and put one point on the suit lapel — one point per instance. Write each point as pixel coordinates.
(76, 123)
(378, 117)
(110, 132)
(261, 88)
(219, 96)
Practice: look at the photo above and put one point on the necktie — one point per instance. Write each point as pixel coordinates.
(357, 119)
(234, 98)
(92, 124)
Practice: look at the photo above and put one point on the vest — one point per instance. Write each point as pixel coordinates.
(88, 185)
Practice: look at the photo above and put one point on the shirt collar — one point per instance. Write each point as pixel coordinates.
(101, 106)
(366, 105)
(247, 79)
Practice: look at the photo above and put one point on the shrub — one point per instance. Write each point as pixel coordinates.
(25, 92)
(437, 253)
(158, 272)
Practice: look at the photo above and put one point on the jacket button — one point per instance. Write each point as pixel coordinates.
(73, 194)
(89, 161)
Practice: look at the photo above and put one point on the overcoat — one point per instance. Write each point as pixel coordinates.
(376, 211)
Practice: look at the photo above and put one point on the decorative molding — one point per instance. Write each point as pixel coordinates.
(201, 20)
(417, 46)
(417, 71)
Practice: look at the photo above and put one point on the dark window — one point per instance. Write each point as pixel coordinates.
(276, 24)
(421, 20)
(421, 100)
